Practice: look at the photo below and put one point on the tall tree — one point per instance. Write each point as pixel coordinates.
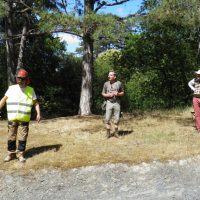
(84, 22)
(11, 61)
(18, 18)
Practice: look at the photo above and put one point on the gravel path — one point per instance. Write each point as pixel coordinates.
(155, 181)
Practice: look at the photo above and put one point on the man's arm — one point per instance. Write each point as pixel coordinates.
(37, 108)
(119, 93)
(107, 95)
(3, 102)
(191, 84)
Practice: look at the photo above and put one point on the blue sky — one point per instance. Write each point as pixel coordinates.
(121, 10)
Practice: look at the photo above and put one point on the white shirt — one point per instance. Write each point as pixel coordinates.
(18, 91)
(191, 84)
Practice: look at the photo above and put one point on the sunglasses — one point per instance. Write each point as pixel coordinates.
(21, 78)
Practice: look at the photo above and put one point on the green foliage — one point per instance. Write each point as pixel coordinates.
(185, 12)
(106, 61)
(161, 60)
(86, 24)
(109, 27)
(50, 22)
(55, 76)
(155, 65)
(143, 91)
(2, 8)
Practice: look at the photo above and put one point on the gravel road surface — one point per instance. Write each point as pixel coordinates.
(172, 180)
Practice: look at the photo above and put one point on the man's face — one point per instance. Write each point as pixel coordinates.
(21, 81)
(111, 76)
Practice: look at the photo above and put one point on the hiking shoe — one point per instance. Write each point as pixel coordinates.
(21, 159)
(9, 157)
(108, 134)
(116, 133)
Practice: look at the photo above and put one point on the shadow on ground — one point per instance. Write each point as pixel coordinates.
(37, 150)
(185, 122)
(123, 132)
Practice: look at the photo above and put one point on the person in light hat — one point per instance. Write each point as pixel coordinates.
(194, 84)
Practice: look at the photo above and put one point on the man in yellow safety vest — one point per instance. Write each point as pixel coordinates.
(20, 98)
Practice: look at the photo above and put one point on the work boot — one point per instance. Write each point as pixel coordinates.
(108, 134)
(116, 133)
(21, 157)
(10, 156)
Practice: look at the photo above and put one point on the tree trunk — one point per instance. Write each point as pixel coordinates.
(21, 48)
(11, 67)
(86, 86)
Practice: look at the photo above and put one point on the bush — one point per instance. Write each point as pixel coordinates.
(143, 91)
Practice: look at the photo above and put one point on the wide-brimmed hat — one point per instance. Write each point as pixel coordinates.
(198, 72)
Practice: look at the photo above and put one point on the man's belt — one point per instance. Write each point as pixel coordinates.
(114, 100)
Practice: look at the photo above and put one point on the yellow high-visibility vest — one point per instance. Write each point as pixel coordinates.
(19, 105)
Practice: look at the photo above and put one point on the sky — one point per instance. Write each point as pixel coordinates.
(121, 10)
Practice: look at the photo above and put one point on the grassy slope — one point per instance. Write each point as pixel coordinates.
(80, 141)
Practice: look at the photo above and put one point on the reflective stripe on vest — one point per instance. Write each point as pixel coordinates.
(19, 107)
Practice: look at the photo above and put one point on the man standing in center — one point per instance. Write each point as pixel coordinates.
(112, 91)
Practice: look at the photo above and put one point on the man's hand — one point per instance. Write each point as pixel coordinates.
(110, 94)
(115, 93)
(38, 118)
(0, 115)
(37, 108)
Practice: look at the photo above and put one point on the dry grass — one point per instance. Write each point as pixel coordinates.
(80, 141)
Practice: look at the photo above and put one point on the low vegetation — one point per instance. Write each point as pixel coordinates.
(71, 142)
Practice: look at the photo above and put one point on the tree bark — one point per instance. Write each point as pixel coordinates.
(21, 48)
(11, 66)
(86, 86)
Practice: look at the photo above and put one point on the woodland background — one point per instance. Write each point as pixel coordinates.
(154, 51)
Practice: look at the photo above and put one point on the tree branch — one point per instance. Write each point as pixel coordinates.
(58, 30)
(38, 33)
(22, 2)
(104, 3)
(24, 10)
(131, 15)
